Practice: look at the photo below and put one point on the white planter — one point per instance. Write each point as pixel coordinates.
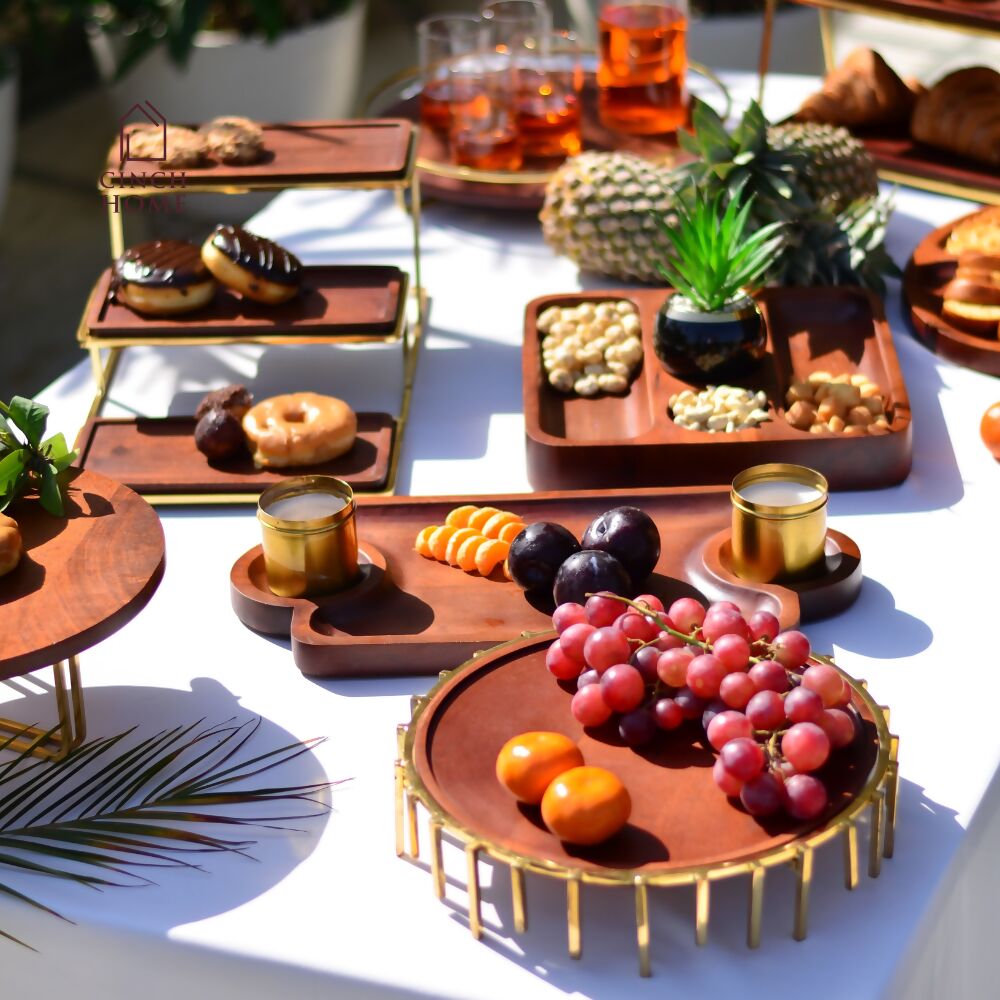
(311, 73)
(8, 130)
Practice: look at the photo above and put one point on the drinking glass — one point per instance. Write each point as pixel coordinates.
(549, 81)
(443, 42)
(640, 73)
(484, 132)
(510, 24)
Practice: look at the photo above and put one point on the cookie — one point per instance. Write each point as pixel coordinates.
(233, 140)
(185, 147)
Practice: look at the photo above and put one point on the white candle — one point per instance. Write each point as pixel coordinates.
(779, 493)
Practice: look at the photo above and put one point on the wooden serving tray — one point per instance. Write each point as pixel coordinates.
(680, 820)
(424, 616)
(928, 270)
(334, 300)
(157, 456)
(81, 577)
(336, 152)
(630, 440)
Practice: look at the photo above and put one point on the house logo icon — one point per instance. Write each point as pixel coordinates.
(152, 119)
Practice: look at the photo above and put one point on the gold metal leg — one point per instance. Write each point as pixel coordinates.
(826, 37)
(400, 797)
(116, 226)
(642, 925)
(851, 856)
(517, 898)
(71, 729)
(875, 835)
(756, 908)
(574, 936)
(475, 913)
(104, 373)
(415, 210)
(891, 798)
(437, 865)
(411, 822)
(701, 905)
(767, 34)
(804, 864)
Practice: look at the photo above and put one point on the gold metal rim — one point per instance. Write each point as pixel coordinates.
(873, 788)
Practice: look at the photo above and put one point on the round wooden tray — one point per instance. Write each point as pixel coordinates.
(81, 577)
(828, 593)
(523, 189)
(928, 270)
(683, 830)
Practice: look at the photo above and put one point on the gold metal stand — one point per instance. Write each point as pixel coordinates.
(876, 800)
(71, 728)
(105, 352)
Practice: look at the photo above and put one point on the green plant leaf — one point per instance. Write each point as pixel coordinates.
(49, 494)
(30, 418)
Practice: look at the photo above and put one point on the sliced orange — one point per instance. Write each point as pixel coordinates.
(481, 516)
(490, 555)
(439, 541)
(422, 544)
(466, 555)
(491, 529)
(510, 531)
(455, 543)
(459, 517)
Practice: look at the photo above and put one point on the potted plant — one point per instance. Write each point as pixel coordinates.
(711, 327)
(272, 60)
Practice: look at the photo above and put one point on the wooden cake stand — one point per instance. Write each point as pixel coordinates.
(80, 579)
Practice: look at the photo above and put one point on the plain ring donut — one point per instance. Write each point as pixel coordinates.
(299, 428)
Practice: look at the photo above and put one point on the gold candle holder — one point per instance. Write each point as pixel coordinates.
(779, 522)
(310, 536)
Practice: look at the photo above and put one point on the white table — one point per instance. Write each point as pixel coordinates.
(332, 911)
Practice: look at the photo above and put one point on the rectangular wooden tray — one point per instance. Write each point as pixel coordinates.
(335, 300)
(332, 152)
(157, 456)
(579, 443)
(429, 616)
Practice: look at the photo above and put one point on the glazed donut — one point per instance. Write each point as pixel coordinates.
(161, 278)
(300, 428)
(10, 544)
(233, 140)
(252, 265)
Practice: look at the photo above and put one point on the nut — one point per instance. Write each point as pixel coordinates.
(841, 404)
(719, 409)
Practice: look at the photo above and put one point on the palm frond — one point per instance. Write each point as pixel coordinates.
(115, 808)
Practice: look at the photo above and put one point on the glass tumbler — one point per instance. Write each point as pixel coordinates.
(443, 42)
(510, 23)
(642, 65)
(549, 81)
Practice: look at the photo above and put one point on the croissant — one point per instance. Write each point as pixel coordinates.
(863, 90)
(961, 113)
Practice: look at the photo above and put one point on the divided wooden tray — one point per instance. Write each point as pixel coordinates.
(81, 577)
(158, 457)
(335, 152)
(630, 440)
(422, 616)
(928, 270)
(335, 300)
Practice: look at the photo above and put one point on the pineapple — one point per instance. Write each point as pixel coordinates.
(817, 178)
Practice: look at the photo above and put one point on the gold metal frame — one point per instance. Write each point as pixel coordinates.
(826, 9)
(514, 177)
(408, 329)
(71, 728)
(878, 798)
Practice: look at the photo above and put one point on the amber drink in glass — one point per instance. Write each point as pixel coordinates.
(549, 89)
(444, 41)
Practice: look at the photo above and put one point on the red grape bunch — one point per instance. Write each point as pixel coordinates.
(772, 711)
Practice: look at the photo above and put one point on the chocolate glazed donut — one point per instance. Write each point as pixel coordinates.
(162, 277)
(252, 265)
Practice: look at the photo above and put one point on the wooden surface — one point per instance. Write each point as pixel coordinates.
(304, 152)
(630, 440)
(833, 589)
(928, 270)
(158, 455)
(428, 616)
(982, 15)
(680, 819)
(432, 147)
(334, 299)
(82, 577)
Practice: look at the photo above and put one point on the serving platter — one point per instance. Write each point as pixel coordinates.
(682, 830)
(158, 459)
(82, 576)
(295, 153)
(576, 442)
(341, 301)
(417, 616)
(927, 272)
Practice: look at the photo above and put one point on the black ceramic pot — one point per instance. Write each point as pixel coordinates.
(701, 346)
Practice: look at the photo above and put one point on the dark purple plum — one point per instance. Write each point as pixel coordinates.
(537, 553)
(587, 572)
(630, 535)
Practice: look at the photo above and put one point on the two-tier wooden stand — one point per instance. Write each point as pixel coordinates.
(352, 155)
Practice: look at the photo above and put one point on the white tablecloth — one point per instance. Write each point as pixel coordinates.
(331, 911)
